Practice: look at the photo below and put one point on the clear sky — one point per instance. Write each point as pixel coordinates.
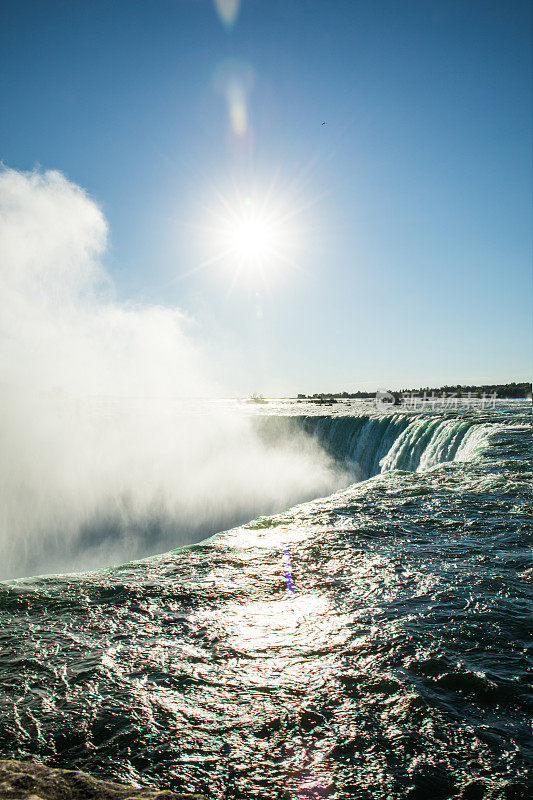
(402, 226)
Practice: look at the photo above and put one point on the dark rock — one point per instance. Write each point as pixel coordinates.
(24, 780)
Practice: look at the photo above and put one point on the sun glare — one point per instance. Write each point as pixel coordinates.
(251, 237)
(252, 240)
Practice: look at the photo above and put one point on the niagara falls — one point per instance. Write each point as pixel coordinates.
(265, 344)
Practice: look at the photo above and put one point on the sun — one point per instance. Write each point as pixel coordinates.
(250, 236)
(252, 239)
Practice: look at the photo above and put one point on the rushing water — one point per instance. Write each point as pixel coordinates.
(397, 667)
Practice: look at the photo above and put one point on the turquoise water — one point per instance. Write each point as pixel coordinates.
(398, 667)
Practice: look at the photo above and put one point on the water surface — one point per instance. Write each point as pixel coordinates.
(397, 667)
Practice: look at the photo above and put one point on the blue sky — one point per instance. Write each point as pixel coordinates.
(412, 237)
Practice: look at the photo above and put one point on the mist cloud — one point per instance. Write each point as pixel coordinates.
(60, 328)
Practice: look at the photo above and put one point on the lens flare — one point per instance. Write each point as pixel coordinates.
(287, 570)
(228, 11)
(234, 79)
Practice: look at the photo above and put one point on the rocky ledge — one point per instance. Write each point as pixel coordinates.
(24, 780)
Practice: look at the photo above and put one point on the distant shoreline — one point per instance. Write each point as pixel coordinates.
(503, 391)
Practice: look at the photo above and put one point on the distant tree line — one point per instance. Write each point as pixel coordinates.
(508, 391)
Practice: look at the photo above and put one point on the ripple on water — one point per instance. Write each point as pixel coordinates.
(397, 669)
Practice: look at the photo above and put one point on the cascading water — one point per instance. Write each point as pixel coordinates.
(366, 445)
